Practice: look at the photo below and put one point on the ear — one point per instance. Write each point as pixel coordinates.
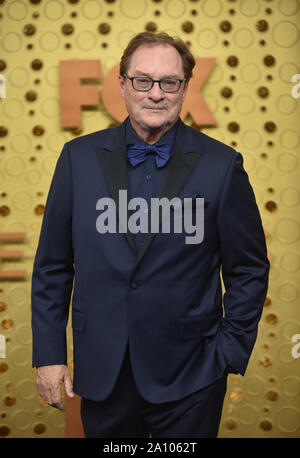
(185, 88)
(122, 84)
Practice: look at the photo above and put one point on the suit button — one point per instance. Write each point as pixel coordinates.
(134, 285)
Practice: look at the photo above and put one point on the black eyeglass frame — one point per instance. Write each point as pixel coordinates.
(132, 78)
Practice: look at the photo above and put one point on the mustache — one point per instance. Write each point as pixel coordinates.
(159, 106)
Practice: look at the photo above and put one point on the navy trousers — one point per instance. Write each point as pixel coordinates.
(125, 413)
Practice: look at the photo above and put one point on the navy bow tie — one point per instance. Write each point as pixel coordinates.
(137, 153)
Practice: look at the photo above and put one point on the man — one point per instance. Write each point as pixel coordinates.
(152, 346)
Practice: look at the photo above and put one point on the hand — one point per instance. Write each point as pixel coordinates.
(48, 382)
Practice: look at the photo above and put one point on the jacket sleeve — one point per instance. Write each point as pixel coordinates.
(52, 277)
(245, 268)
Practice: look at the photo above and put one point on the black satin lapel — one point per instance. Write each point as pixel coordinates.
(176, 174)
(114, 168)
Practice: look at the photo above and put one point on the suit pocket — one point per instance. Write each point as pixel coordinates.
(199, 326)
(78, 321)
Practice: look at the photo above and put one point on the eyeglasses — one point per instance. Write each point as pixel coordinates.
(145, 83)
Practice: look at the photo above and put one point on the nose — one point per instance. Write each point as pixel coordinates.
(155, 92)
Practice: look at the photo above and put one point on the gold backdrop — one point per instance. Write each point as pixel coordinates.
(257, 49)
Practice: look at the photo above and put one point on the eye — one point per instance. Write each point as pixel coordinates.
(169, 83)
(143, 80)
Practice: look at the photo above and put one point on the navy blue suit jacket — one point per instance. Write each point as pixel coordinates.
(166, 300)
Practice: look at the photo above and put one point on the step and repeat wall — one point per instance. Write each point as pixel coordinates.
(252, 91)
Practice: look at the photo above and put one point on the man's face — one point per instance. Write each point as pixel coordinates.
(155, 109)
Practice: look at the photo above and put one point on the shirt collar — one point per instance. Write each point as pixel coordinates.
(132, 137)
